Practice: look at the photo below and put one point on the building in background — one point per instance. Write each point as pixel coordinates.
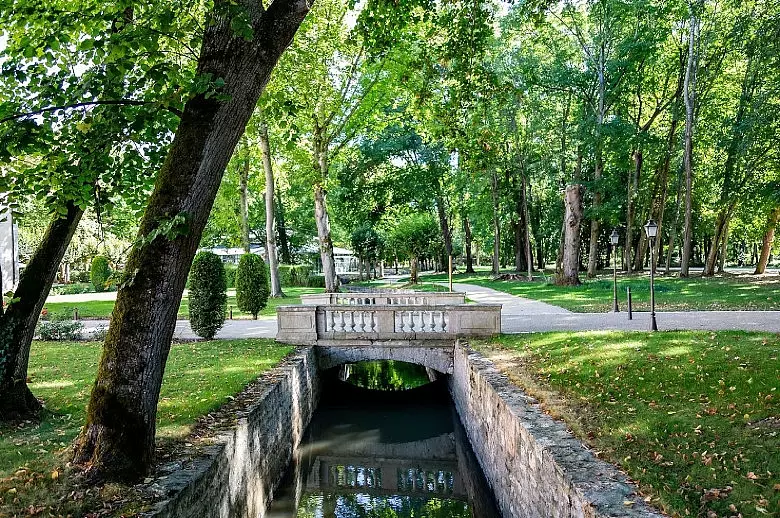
(9, 251)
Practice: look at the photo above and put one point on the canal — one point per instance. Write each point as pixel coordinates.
(384, 442)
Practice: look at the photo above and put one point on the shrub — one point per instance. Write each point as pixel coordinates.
(316, 281)
(208, 297)
(230, 275)
(76, 288)
(80, 276)
(251, 284)
(99, 272)
(59, 330)
(294, 275)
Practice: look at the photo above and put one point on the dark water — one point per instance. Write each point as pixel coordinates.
(384, 454)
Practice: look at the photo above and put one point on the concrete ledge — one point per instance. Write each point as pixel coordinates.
(534, 465)
(236, 476)
(436, 356)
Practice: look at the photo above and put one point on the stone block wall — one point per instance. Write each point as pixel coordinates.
(534, 465)
(237, 475)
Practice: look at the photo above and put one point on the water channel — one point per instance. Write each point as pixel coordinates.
(384, 442)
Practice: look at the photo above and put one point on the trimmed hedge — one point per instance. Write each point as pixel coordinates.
(208, 295)
(294, 275)
(100, 273)
(316, 281)
(251, 284)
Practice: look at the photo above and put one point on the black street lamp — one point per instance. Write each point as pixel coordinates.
(651, 229)
(614, 238)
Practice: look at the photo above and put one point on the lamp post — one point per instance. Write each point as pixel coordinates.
(651, 229)
(614, 238)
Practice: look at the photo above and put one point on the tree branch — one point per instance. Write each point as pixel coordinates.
(115, 102)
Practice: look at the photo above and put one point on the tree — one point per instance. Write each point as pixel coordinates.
(367, 243)
(207, 295)
(270, 231)
(251, 284)
(415, 235)
(99, 273)
(241, 44)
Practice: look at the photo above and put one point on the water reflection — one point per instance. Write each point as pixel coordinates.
(385, 375)
(400, 455)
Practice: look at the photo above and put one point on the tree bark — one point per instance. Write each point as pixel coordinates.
(18, 321)
(633, 185)
(321, 211)
(444, 224)
(270, 233)
(689, 98)
(496, 226)
(529, 261)
(243, 195)
(117, 442)
(281, 227)
(468, 238)
(769, 237)
(593, 254)
(571, 251)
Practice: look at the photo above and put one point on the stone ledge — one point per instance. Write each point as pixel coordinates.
(535, 466)
(231, 470)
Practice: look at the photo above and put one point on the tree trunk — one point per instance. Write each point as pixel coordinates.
(723, 249)
(413, 267)
(18, 321)
(281, 228)
(496, 227)
(444, 224)
(526, 226)
(633, 186)
(321, 212)
(243, 195)
(593, 254)
(571, 251)
(117, 442)
(769, 237)
(689, 97)
(673, 230)
(270, 234)
(468, 238)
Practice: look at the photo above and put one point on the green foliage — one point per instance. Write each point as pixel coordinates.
(367, 243)
(294, 275)
(316, 281)
(230, 275)
(207, 295)
(100, 273)
(252, 288)
(57, 330)
(416, 235)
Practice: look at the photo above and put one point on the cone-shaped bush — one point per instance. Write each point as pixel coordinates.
(99, 273)
(208, 295)
(251, 284)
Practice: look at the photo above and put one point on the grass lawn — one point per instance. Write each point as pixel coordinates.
(199, 377)
(671, 293)
(101, 309)
(693, 417)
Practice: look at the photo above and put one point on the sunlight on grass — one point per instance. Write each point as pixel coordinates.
(682, 412)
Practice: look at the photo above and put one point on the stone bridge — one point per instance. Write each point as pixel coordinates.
(414, 327)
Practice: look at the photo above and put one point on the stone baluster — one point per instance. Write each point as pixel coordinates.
(330, 321)
(422, 321)
(432, 325)
(362, 321)
(443, 322)
(342, 323)
(352, 321)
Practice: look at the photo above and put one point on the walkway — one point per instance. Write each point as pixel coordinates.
(520, 315)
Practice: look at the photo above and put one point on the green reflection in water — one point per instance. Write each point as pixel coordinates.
(361, 505)
(386, 375)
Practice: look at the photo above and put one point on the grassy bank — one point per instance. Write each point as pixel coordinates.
(199, 377)
(671, 294)
(693, 417)
(101, 309)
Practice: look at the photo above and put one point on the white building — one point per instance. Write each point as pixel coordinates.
(9, 251)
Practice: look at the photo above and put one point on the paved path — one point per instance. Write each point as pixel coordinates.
(263, 327)
(520, 315)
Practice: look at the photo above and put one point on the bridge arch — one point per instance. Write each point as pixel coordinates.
(438, 357)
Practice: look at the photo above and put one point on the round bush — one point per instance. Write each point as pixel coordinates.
(208, 295)
(99, 273)
(251, 284)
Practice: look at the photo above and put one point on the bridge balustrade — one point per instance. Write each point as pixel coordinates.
(385, 298)
(316, 324)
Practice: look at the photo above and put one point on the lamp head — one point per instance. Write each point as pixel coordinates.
(651, 229)
(614, 237)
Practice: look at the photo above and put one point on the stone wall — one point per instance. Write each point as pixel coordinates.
(533, 464)
(237, 475)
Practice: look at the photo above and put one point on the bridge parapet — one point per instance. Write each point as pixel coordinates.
(385, 298)
(309, 324)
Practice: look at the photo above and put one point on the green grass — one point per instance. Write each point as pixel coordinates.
(199, 376)
(101, 309)
(684, 413)
(671, 294)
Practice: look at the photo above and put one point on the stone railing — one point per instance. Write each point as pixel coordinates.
(310, 324)
(385, 297)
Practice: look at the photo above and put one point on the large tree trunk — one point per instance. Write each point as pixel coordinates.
(270, 232)
(468, 238)
(444, 224)
(496, 226)
(633, 186)
(723, 249)
(281, 227)
(571, 251)
(321, 212)
(689, 97)
(243, 196)
(673, 230)
(529, 261)
(593, 253)
(769, 238)
(117, 441)
(18, 321)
